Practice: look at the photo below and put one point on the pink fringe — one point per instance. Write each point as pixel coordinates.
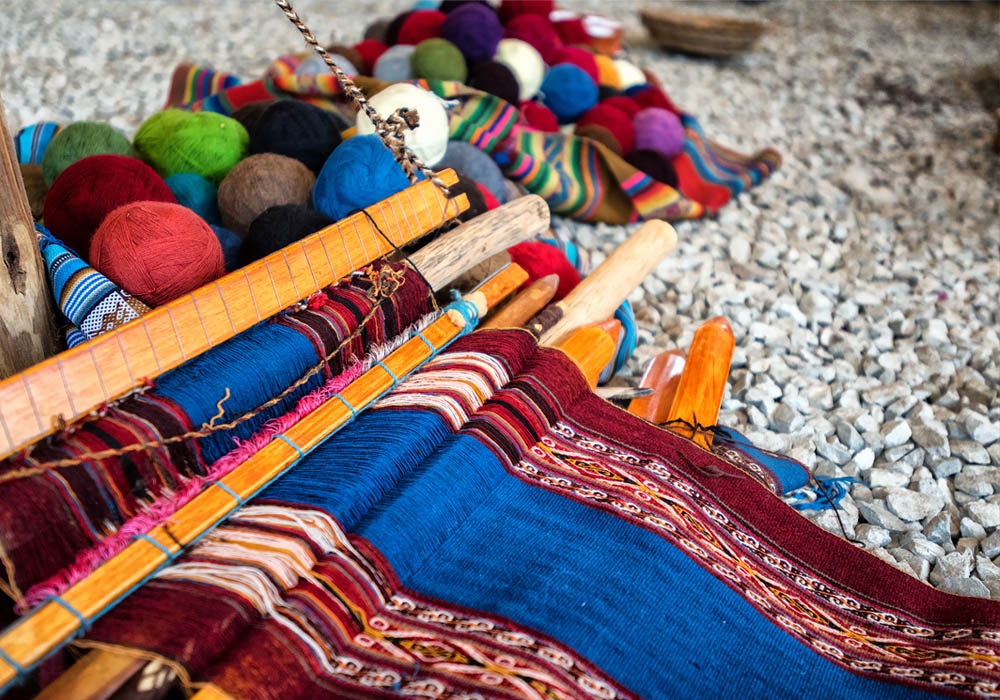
(164, 507)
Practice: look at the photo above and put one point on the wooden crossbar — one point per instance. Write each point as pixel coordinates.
(42, 399)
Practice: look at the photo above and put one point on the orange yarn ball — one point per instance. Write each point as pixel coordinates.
(156, 251)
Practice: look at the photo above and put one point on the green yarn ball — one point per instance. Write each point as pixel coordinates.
(79, 140)
(205, 143)
(438, 59)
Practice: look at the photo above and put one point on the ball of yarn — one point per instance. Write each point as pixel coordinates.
(438, 59)
(494, 78)
(525, 63)
(649, 96)
(477, 202)
(607, 72)
(615, 121)
(569, 92)
(659, 130)
(449, 6)
(34, 188)
(654, 164)
(569, 26)
(156, 251)
(391, 37)
(209, 144)
(474, 29)
(315, 65)
(629, 74)
(421, 25)
(430, 139)
(31, 141)
(624, 103)
(197, 194)
(578, 57)
(378, 30)
(393, 65)
(79, 140)
(537, 31)
(538, 116)
(488, 197)
(90, 189)
(369, 50)
(248, 114)
(359, 173)
(596, 132)
(231, 244)
(469, 161)
(298, 130)
(604, 92)
(540, 259)
(279, 226)
(348, 52)
(259, 182)
(510, 9)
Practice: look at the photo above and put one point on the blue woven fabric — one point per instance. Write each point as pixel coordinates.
(31, 141)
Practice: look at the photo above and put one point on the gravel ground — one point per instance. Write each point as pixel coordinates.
(861, 280)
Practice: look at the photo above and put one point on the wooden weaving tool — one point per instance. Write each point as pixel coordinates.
(42, 399)
(526, 304)
(662, 375)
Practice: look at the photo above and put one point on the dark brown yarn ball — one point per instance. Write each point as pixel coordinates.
(495, 78)
(348, 52)
(280, 226)
(34, 187)
(378, 30)
(248, 114)
(477, 203)
(260, 182)
(654, 164)
(600, 134)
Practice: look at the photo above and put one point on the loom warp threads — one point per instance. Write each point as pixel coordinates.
(279, 226)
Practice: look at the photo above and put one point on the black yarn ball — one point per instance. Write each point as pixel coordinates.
(494, 78)
(654, 164)
(377, 29)
(447, 6)
(277, 227)
(477, 204)
(248, 114)
(392, 30)
(606, 91)
(298, 130)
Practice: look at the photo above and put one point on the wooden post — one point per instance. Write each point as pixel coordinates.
(27, 330)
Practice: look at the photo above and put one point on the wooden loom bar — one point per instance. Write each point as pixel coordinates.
(38, 401)
(525, 305)
(703, 381)
(52, 624)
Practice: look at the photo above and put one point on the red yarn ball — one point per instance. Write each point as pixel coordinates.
(538, 116)
(537, 31)
(624, 103)
(91, 188)
(614, 120)
(369, 50)
(420, 25)
(569, 26)
(509, 9)
(580, 58)
(540, 259)
(488, 198)
(650, 96)
(156, 251)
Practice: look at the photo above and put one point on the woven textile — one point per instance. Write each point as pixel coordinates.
(98, 503)
(578, 177)
(494, 530)
(91, 302)
(31, 141)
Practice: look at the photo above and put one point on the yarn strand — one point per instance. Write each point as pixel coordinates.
(390, 129)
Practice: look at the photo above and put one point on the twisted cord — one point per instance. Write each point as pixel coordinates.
(389, 129)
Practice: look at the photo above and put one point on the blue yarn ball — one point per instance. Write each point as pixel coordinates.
(476, 165)
(475, 29)
(569, 92)
(230, 243)
(197, 194)
(393, 65)
(360, 172)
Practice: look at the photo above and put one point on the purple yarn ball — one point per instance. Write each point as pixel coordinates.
(658, 130)
(475, 30)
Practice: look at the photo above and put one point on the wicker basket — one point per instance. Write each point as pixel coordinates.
(705, 35)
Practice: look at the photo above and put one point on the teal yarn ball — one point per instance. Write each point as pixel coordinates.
(197, 194)
(360, 172)
(231, 245)
(438, 59)
(569, 92)
(79, 140)
(208, 144)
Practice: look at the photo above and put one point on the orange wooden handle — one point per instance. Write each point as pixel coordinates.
(662, 375)
(526, 304)
(703, 381)
(591, 348)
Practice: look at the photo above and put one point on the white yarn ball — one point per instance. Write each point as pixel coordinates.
(525, 63)
(429, 140)
(629, 74)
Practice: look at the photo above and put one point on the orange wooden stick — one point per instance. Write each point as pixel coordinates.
(591, 348)
(525, 305)
(703, 382)
(662, 375)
